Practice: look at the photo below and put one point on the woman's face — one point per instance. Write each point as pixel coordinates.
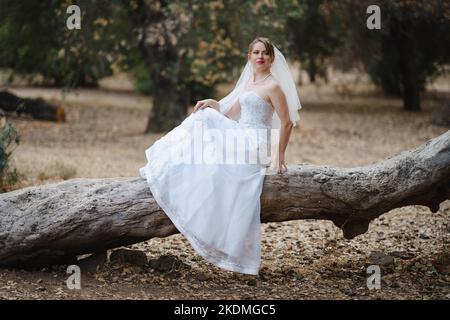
(259, 57)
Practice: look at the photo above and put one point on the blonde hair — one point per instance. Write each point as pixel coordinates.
(267, 43)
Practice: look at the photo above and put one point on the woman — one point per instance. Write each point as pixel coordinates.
(210, 186)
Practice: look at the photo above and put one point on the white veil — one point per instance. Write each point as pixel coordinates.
(281, 72)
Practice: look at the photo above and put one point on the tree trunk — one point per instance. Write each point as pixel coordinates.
(410, 82)
(169, 105)
(312, 70)
(165, 62)
(407, 60)
(54, 223)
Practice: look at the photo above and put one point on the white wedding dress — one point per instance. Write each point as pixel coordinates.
(214, 201)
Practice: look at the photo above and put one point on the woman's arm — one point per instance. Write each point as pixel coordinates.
(281, 108)
(234, 110)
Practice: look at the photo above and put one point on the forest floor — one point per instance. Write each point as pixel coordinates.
(306, 259)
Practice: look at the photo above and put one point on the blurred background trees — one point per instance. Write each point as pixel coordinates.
(314, 32)
(189, 47)
(179, 51)
(36, 40)
(410, 49)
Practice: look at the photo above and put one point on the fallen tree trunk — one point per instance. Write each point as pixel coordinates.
(54, 223)
(36, 108)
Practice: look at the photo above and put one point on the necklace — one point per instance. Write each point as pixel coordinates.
(255, 82)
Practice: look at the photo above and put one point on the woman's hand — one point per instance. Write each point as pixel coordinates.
(202, 104)
(281, 168)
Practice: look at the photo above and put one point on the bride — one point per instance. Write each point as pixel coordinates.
(210, 186)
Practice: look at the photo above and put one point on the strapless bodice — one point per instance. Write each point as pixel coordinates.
(255, 111)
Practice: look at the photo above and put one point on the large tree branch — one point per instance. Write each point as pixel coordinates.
(54, 223)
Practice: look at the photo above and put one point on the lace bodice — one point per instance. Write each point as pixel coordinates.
(255, 111)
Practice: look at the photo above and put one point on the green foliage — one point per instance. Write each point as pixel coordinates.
(39, 42)
(411, 46)
(219, 34)
(211, 36)
(8, 176)
(315, 31)
(211, 39)
(134, 64)
(142, 81)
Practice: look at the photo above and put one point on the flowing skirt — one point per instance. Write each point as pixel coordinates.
(198, 176)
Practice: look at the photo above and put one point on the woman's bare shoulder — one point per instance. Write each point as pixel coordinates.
(273, 87)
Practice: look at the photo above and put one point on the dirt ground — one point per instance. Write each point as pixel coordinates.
(103, 137)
